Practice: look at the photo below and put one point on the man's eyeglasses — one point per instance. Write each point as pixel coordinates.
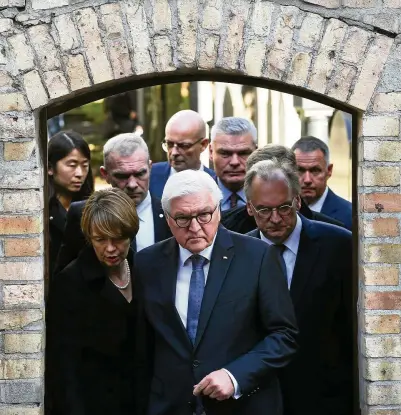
(169, 145)
(201, 218)
(265, 213)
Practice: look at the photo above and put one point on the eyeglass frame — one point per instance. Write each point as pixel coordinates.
(190, 218)
(273, 209)
(179, 145)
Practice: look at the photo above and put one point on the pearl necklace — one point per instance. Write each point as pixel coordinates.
(123, 287)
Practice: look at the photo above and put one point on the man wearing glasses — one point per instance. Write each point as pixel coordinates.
(220, 319)
(317, 260)
(185, 140)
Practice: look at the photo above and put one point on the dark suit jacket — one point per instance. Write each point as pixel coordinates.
(319, 379)
(90, 342)
(338, 208)
(246, 325)
(238, 220)
(57, 218)
(74, 239)
(159, 175)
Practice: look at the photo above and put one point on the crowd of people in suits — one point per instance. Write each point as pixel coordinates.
(184, 290)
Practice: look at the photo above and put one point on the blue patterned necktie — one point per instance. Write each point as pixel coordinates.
(196, 289)
(281, 248)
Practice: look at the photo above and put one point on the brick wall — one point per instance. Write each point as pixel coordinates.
(53, 50)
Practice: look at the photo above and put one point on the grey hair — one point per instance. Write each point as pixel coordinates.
(235, 126)
(309, 143)
(124, 145)
(273, 170)
(189, 182)
(270, 151)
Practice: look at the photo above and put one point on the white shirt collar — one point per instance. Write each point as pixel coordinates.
(317, 206)
(143, 206)
(173, 170)
(292, 242)
(206, 253)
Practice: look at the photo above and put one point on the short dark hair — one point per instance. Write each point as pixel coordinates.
(60, 145)
(309, 143)
(269, 152)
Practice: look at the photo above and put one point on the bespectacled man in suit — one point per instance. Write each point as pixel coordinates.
(219, 317)
(317, 260)
(185, 140)
(126, 165)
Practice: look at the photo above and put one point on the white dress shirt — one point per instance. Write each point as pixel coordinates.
(317, 206)
(173, 170)
(292, 245)
(182, 290)
(146, 234)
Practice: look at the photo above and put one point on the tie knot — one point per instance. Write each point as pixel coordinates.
(280, 248)
(198, 261)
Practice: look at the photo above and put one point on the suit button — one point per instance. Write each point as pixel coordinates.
(195, 363)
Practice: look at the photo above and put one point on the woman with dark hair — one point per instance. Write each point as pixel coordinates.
(70, 180)
(92, 315)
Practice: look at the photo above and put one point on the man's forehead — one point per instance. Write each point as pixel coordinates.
(234, 141)
(137, 159)
(312, 157)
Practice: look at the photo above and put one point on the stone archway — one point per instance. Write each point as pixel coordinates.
(53, 51)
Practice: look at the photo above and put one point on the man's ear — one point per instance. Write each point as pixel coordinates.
(210, 152)
(329, 170)
(150, 164)
(298, 202)
(249, 209)
(204, 144)
(50, 171)
(103, 173)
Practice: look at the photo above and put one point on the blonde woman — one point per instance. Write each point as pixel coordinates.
(91, 310)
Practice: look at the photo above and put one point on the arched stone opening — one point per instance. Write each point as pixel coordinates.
(57, 57)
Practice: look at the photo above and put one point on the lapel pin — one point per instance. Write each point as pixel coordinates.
(224, 257)
(160, 215)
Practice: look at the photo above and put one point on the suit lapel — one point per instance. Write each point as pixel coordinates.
(222, 256)
(329, 206)
(308, 253)
(158, 220)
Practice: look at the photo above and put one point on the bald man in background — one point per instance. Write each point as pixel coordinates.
(185, 140)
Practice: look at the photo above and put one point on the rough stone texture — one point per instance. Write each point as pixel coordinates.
(48, 51)
(326, 58)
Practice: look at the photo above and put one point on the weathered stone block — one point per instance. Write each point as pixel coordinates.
(382, 150)
(48, 4)
(6, 25)
(360, 3)
(68, 35)
(382, 370)
(56, 84)
(381, 227)
(212, 15)
(18, 151)
(22, 368)
(23, 343)
(21, 180)
(88, 27)
(12, 126)
(21, 410)
(35, 91)
(329, 4)
(383, 346)
(392, 3)
(381, 126)
(355, 45)
(23, 296)
(19, 225)
(382, 324)
(254, 57)
(136, 19)
(161, 16)
(186, 42)
(18, 319)
(372, 67)
(383, 394)
(20, 392)
(387, 300)
(163, 52)
(385, 21)
(381, 176)
(388, 253)
(261, 18)
(76, 72)
(45, 48)
(345, 75)
(387, 102)
(381, 202)
(23, 53)
(5, 80)
(208, 52)
(300, 69)
(22, 271)
(309, 33)
(12, 102)
(22, 201)
(16, 247)
(326, 58)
